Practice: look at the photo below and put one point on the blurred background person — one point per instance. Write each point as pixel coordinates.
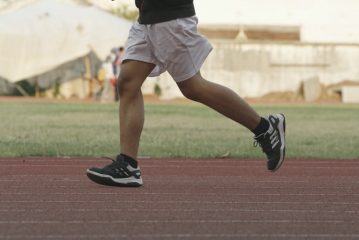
(109, 77)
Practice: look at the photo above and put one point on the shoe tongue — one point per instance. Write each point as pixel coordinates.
(120, 158)
(262, 136)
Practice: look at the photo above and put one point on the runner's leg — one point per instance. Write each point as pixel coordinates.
(132, 76)
(221, 99)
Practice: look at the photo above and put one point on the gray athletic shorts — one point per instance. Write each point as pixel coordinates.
(174, 46)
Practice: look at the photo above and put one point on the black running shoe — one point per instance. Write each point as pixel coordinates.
(273, 141)
(118, 173)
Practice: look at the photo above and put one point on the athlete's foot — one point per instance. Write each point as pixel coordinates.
(272, 142)
(118, 173)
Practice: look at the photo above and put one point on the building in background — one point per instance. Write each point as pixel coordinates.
(262, 47)
(289, 49)
(47, 43)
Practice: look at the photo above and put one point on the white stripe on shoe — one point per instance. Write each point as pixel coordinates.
(281, 129)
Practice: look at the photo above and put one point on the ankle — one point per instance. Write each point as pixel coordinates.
(262, 127)
(129, 160)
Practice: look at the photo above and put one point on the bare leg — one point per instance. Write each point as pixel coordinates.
(221, 99)
(133, 74)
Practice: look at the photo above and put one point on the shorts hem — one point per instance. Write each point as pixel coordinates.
(196, 70)
(146, 60)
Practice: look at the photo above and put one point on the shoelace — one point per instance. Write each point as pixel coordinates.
(115, 163)
(265, 144)
(256, 144)
(119, 167)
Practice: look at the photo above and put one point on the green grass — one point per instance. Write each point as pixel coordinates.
(171, 130)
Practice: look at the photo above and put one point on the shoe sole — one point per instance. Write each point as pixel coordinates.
(110, 181)
(281, 127)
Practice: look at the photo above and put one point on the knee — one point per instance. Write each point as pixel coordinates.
(122, 84)
(126, 85)
(190, 92)
(193, 88)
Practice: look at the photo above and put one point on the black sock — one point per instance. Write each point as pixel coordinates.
(262, 127)
(129, 160)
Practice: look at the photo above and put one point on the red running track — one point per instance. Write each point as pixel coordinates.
(51, 198)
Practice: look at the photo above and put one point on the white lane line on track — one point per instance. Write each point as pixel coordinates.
(162, 162)
(40, 210)
(185, 193)
(177, 202)
(186, 236)
(155, 221)
(50, 178)
(18, 189)
(184, 166)
(179, 160)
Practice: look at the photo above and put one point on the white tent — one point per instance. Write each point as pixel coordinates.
(44, 34)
